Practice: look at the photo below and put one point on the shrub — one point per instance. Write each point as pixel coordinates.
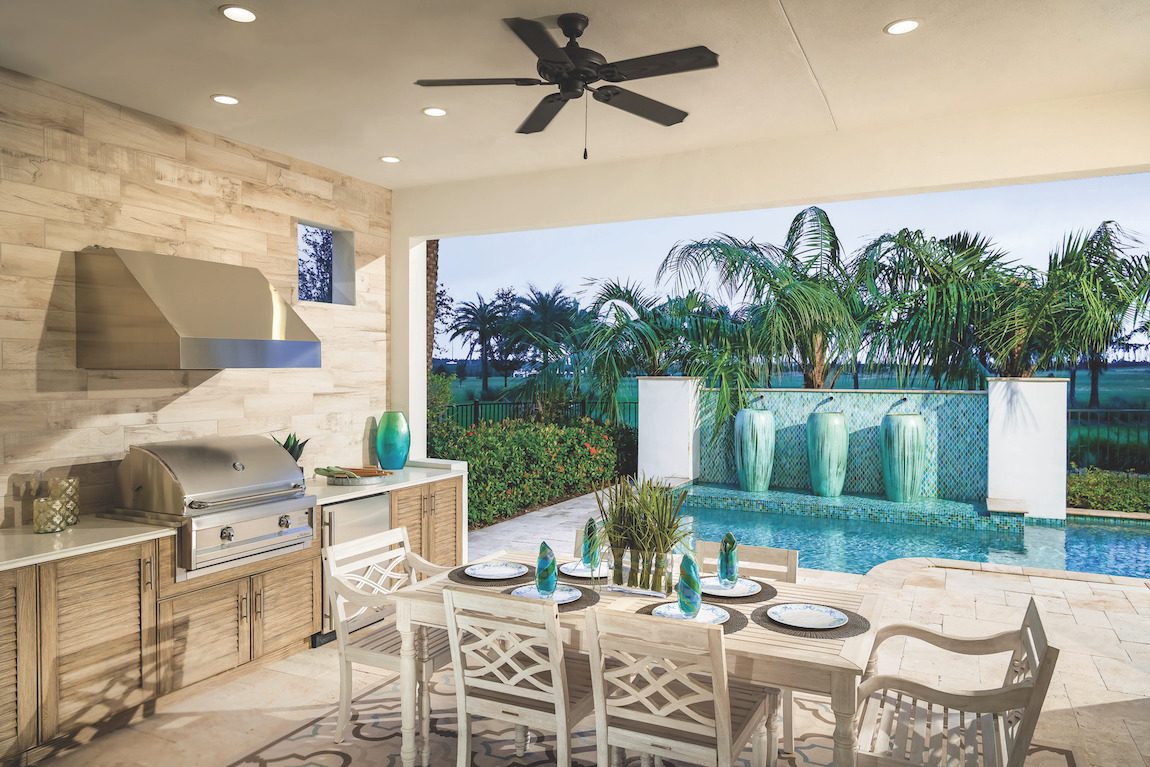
(514, 465)
(1108, 491)
(439, 396)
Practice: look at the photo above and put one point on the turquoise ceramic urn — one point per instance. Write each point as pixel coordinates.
(754, 448)
(827, 452)
(903, 443)
(392, 440)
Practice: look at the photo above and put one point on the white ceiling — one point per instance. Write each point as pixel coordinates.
(330, 81)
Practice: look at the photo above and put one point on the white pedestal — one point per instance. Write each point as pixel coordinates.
(669, 427)
(1027, 452)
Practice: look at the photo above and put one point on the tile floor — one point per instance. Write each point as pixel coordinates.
(282, 714)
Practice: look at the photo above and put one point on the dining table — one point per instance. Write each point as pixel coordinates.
(829, 665)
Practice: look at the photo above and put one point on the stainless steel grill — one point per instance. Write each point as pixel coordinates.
(235, 499)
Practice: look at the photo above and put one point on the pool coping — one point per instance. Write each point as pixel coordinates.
(896, 571)
(1099, 514)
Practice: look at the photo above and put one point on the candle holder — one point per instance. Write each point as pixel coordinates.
(67, 491)
(48, 515)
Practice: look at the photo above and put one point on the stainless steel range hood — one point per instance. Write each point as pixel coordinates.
(145, 311)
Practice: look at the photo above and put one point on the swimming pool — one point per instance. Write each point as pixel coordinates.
(856, 545)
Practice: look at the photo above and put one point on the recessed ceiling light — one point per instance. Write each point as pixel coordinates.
(237, 13)
(901, 27)
(390, 159)
(223, 98)
(434, 111)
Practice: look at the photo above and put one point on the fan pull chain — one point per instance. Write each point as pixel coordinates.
(586, 120)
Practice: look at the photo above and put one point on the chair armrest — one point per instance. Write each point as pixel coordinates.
(1002, 699)
(356, 598)
(423, 567)
(1007, 641)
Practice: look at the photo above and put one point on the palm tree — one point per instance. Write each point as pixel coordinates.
(545, 318)
(478, 321)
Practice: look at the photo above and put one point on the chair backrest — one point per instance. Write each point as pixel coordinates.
(757, 561)
(507, 648)
(1033, 661)
(651, 672)
(371, 567)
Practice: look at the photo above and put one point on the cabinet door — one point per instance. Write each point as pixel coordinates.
(407, 507)
(441, 536)
(18, 641)
(204, 633)
(97, 636)
(286, 607)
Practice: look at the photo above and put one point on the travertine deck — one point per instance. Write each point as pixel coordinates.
(1097, 713)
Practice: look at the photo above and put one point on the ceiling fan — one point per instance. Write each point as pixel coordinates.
(573, 68)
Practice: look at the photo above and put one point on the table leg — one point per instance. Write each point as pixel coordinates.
(407, 683)
(844, 704)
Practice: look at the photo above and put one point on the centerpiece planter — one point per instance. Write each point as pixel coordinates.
(754, 448)
(827, 441)
(903, 443)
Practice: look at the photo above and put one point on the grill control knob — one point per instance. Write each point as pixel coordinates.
(228, 534)
(285, 521)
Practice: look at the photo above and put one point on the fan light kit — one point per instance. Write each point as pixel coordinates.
(434, 111)
(223, 98)
(390, 159)
(574, 68)
(237, 13)
(901, 27)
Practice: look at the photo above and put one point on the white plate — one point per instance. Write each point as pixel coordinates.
(577, 569)
(707, 613)
(744, 587)
(496, 571)
(563, 593)
(807, 616)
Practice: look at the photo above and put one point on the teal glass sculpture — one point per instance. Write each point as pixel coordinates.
(903, 443)
(392, 440)
(728, 561)
(754, 448)
(590, 553)
(689, 588)
(546, 573)
(827, 440)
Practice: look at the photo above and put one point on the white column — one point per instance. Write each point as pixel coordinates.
(1027, 452)
(407, 347)
(669, 427)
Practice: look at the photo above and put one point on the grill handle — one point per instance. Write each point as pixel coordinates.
(293, 490)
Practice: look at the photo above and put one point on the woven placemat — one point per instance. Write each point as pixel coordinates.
(588, 599)
(737, 621)
(766, 594)
(855, 625)
(458, 576)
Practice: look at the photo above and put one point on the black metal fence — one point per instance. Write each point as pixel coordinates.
(470, 413)
(1118, 440)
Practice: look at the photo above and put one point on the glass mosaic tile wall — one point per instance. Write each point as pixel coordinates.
(956, 443)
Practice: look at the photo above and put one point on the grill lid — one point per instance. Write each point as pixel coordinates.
(191, 476)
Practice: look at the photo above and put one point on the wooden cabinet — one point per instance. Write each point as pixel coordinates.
(215, 629)
(432, 514)
(97, 616)
(18, 661)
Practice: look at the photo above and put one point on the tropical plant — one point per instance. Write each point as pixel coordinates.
(478, 322)
(642, 522)
(618, 508)
(293, 445)
(546, 319)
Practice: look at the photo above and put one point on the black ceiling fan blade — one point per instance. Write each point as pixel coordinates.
(640, 106)
(484, 81)
(536, 37)
(543, 114)
(669, 63)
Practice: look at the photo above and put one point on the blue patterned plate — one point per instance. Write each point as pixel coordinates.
(807, 616)
(496, 571)
(563, 593)
(707, 613)
(744, 587)
(577, 569)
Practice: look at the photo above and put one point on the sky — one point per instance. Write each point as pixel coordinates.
(1027, 221)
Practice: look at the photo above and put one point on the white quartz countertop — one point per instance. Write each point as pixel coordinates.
(21, 547)
(406, 477)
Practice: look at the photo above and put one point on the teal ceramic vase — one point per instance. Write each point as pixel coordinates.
(827, 441)
(689, 588)
(728, 561)
(392, 440)
(903, 442)
(546, 573)
(754, 448)
(590, 553)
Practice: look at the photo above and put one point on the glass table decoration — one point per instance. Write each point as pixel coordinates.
(546, 571)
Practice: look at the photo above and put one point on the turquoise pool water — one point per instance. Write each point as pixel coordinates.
(855, 546)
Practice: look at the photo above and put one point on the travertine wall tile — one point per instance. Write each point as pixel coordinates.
(78, 171)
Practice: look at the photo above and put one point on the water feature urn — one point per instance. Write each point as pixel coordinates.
(827, 441)
(754, 448)
(902, 439)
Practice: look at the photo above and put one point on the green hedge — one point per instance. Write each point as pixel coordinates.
(1108, 491)
(515, 465)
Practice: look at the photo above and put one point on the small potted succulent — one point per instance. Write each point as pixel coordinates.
(293, 444)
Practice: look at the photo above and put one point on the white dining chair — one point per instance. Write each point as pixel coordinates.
(360, 575)
(510, 665)
(772, 565)
(661, 688)
(904, 722)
